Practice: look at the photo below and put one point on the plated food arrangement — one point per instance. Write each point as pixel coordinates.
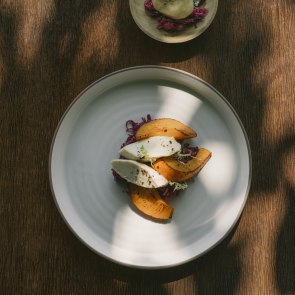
(98, 210)
(155, 165)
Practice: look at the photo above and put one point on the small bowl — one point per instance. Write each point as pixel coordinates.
(148, 24)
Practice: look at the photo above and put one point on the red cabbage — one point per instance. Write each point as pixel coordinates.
(132, 127)
(168, 192)
(187, 152)
(169, 24)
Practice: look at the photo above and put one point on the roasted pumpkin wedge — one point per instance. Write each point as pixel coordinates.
(149, 202)
(174, 170)
(165, 127)
(171, 174)
(201, 158)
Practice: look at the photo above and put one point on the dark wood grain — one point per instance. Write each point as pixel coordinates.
(50, 50)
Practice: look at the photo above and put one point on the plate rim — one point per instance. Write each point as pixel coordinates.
(156, 67)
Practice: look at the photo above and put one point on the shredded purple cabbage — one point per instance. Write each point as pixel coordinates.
(132, 127)
(168, 192)
(171, 25)
(148, 5)
(188, 152)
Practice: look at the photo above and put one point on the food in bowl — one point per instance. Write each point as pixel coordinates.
(175, 15)
(155, 162)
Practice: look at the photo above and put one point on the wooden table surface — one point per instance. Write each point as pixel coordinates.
(50, 50)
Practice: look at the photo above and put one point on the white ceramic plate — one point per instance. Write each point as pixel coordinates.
(148, 24)
(98, 210)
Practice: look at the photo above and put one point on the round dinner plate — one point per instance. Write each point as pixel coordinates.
(98, 209)
(148, 24)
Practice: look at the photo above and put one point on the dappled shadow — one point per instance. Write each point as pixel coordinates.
(42, 89)
(231, 67)
(223, 263)
(285, 242)
(219, 271)
(36, 92)
(285, 245)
